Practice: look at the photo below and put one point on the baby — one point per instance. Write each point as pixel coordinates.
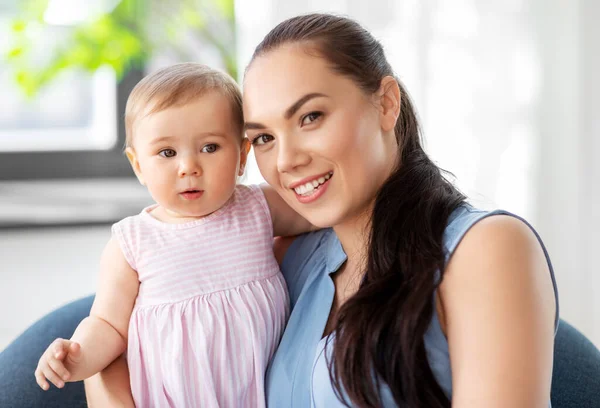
(190, 286)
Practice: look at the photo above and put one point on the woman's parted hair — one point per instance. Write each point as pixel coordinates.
(177, 85)
(379, 332)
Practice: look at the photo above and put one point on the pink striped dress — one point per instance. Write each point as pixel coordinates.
(211, 307)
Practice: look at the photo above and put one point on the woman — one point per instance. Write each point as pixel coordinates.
(412, 298)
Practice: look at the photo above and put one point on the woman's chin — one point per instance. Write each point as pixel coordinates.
(322, 218)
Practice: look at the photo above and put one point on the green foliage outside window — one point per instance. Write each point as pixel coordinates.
(123, 37)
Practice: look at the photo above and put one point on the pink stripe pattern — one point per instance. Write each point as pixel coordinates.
(211, 307)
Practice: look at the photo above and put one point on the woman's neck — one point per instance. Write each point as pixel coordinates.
(354, 236)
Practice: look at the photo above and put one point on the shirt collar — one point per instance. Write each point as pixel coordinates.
(335, 255)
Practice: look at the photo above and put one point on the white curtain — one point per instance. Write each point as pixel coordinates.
(506, 97)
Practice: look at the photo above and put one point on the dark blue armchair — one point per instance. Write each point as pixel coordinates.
(576, 375)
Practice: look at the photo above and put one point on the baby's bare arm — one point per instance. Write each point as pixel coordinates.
(100, 344)
(102, 337)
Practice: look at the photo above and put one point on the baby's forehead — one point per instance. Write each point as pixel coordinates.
(200, 117)
(162, 102)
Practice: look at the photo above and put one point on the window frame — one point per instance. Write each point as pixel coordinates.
(79, 164)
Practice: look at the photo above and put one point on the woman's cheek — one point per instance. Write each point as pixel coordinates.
(336, 145)
(343, 134)
(266, 161)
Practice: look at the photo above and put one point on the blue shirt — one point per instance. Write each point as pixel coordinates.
(298, 376)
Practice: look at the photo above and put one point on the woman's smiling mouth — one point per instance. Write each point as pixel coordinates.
(309, 191)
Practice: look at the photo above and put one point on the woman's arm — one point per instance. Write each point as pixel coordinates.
(286, 221)
(498, 308)
(101, 337)
(110, 387)
(280, 247)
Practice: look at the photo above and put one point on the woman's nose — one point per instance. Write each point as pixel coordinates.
(290, 156)
(189, 166)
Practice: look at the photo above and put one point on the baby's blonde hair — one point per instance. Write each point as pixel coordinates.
(177, 85)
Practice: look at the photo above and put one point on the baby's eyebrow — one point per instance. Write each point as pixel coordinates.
(165, 139)
(161, 139)
(214, 134)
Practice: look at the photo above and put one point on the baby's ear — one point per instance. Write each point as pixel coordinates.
(244, 150)
(135, 164)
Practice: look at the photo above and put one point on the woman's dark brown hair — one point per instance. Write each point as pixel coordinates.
(379, 331)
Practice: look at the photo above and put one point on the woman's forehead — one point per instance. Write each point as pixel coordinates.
(280, 77)
(293, 59)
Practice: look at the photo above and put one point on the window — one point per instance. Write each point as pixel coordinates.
(73, 128)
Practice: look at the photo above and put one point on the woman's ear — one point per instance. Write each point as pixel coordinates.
(390, 101)
(244, 150)
(135, 164)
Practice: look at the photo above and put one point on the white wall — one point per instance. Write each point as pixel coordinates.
(42, 269)
(568, 193)
(591, 147)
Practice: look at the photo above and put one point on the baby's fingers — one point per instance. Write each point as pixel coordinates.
(41, 380)
(59, 368)
(59, 348)
(52, 376)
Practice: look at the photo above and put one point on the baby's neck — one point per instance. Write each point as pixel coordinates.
(170, 217)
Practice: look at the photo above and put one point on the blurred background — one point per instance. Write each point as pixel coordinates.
(506, 92)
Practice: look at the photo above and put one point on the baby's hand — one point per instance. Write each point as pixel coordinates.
(53, 364)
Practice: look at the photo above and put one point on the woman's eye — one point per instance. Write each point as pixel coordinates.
(311, 117)
(262, 139)
(167, 153)
(210, 148)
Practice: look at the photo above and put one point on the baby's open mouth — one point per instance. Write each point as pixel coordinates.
(191, 194)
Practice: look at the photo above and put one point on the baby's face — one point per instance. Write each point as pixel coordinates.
(189, 156)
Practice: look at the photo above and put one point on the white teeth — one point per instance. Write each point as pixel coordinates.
(306, 189)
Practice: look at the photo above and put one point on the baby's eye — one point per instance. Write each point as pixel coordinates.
(311, 117)
(210, 148)
(262, 139)
(167, 153)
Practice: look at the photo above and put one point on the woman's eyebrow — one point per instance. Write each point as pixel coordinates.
(298, 104)
(290, 111)
(251, 125)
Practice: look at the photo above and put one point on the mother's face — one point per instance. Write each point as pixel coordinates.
(319, 140)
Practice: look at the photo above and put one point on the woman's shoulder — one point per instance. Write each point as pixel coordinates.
(302, 257)
(490, 232)
(493, 248)
(489, 249)
(466, 218)
(461, 220)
